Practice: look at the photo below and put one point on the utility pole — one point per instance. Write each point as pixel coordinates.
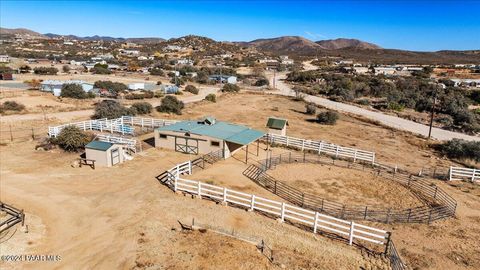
(274, 79)
(176, 74)
(432, 113)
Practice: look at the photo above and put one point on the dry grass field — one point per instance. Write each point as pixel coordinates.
(123, 218)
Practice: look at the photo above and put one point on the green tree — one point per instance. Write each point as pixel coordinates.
(228, 87)
(71, 139)
(111, 109)
(192, 89)
(327, 118)
(45, 71)
(142, 107)
(170, 104)
(74, 91)
(211, 98)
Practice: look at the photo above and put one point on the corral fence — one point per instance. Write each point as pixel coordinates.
(261, 244)
(14, 216)
(10, 134)
(459, 173)
(437, 203)
(102, 125)
(130, 144)
(124, 125)
(307, 219)
(321, 147)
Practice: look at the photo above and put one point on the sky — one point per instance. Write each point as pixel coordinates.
(408, 25)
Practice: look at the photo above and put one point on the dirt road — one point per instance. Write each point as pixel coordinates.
(388, 120)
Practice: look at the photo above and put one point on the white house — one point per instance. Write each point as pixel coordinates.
(188, 62)
(136, 86)
(55, 86)
(223, 79)
(4, 58)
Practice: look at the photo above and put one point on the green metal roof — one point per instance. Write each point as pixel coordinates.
(99, 145)
(220, 130)
(276, 123)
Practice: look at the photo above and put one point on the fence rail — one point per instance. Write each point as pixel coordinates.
(459, 173)
(14, 216)
(113, 139)
(322, 147)
(437, 203)
(147, 122)
(311, 220)
(102, 125)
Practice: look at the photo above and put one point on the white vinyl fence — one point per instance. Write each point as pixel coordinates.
(123, 125)
(459, 173)
(112, 139)
(102, 125)
(147, 122)
(322, 147)
(314, 220)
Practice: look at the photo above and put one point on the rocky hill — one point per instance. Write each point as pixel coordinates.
(340, 43)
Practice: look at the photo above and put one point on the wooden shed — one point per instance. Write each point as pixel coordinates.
(105, 153)
(277, 126)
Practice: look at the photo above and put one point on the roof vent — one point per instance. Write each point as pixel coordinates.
(209, 121)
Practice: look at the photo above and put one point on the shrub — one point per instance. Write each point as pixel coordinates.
(311, 108)
(74, 91)
(228, 87)
(100, 70)
(171, 104)
(113, 87)
(363, 101)
(462, 149)
(142, 107)
(45, 71)
(111, 109)
(66, 68)
(11, 106)
(262, 82)
(327, 118)
(211, 98)
(71, 138)
(192, 89)
(157, 71)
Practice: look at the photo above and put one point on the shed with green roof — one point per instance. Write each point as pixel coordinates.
(277, 126)
(104, 153)
(205, 136)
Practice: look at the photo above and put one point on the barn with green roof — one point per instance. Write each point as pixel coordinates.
(205, 136)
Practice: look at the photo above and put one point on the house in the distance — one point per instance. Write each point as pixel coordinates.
(277, 126)
(55, 87)
(4, 58)
(223, 79)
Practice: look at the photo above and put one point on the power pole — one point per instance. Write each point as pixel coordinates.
(274, 79)
(432, 113)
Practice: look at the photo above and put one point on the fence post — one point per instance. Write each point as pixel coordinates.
(282, 215)
(350, 236)
(336, 152)
(315, 221)
(33, 135)
(199, 189)
(473, 175)
(189, 167)
(450, 173)
(252, 202)
(320, 148)
(225, 195)
(287, 140)
(303, 144)
(355, 156)
(365, 215)
(388, 215)
(435, 194)
(409, 214)
(373, 159)
(387, 245)
(175, 184)
(430, 216)
(322, 204)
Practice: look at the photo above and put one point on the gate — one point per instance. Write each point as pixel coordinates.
(186, 145)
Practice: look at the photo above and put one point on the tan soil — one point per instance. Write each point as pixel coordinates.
(93, 218)
(347, 186)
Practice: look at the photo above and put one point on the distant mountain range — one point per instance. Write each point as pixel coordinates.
(302, 45)
(292, 45)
